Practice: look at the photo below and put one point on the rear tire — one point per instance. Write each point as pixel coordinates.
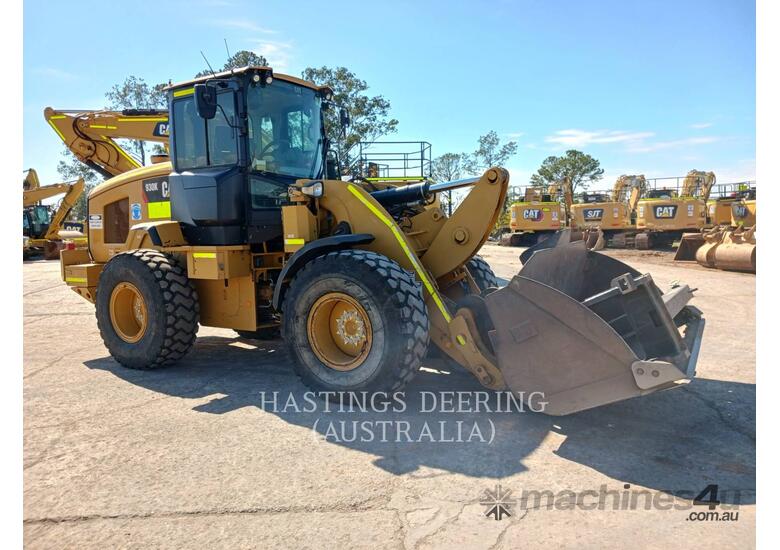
(147, 309)
(389, 330)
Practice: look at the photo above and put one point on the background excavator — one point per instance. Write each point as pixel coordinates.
(729, 240)
(263, 234)
(92, 135)
(44, 226)
(614, 215)
(664, 214)
(542, 212)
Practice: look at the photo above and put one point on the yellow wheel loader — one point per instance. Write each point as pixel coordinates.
(259, 233)
(43, 226)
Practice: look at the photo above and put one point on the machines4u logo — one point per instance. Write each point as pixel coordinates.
(593, 213)
(665, 211)
(532, 214)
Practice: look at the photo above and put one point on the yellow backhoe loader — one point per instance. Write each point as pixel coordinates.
(664, 214)
(614, 215)
(44, 226)
(262, 235)
(541, 213)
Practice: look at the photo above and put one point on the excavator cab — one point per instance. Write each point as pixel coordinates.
(36, 220)
(661, 194)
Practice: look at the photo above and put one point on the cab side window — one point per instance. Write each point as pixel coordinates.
(199, 142)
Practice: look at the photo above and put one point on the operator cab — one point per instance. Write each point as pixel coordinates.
(662, 194)
(36, 220)
(239, 139)
(591, 198)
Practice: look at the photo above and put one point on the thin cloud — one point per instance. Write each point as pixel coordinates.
(51, 72)
(243, 25)
(277, 54)
(582, 138)
(701, 125)
(514, 135)
(672, 144)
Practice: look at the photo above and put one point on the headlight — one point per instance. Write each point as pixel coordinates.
(313, 189)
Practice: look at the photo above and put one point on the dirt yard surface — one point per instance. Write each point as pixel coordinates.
(196, 456)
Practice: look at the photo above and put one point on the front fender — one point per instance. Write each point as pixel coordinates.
(310, 251)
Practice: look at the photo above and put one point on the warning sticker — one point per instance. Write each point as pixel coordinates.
(135, 211)
(95, 221)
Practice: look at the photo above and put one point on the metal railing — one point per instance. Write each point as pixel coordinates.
(393, 160)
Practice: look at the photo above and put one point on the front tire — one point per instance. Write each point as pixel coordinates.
(355, 321)
(482, 273)
(147, 309)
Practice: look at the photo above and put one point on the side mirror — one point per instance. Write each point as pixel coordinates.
(206, 100)
(344, 118)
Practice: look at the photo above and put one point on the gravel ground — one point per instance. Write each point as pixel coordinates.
(192, 455)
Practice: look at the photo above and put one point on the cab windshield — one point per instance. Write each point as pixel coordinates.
(285, 130)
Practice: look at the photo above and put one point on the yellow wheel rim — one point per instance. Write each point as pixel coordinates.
(128, 312)
(339, 331)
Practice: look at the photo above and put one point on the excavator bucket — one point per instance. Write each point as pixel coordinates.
(729, 249)
(586, 330)
(689, 244)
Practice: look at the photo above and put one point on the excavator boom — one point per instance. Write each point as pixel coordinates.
(91, 135)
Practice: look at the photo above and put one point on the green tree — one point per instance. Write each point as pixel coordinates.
(447, 167)
(72, 169)
(581, 168)
(491, 152)
(242, 58)
(369, 115)
(135, 93)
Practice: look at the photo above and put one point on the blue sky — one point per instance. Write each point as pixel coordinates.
(653, 87)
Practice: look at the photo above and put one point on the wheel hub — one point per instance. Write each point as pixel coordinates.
(339, 331)
(127, 309)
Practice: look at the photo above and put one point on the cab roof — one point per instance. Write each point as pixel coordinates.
(247, 69)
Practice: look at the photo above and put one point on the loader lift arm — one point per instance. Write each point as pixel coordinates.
(91, 135)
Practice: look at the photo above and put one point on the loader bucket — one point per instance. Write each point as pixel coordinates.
(586, 330)
(689, 244)
(559, 238)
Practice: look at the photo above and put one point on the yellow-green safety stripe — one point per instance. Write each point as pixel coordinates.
(75, 279)
(184, 92)
(295, 241)
(204, 254)
(415, 261)
(160, 209)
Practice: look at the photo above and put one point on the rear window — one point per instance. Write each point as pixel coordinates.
(116, 216)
